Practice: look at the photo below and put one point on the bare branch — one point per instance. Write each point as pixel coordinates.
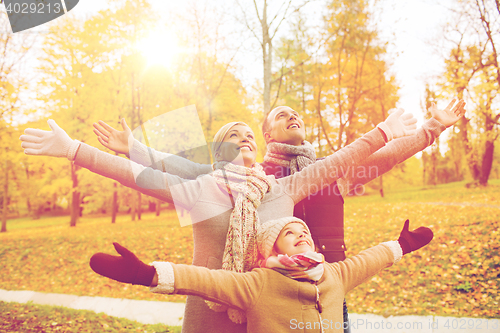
(278, 11)
(257, 10)
(247, 23)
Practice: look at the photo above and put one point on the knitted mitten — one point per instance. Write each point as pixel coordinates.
(413, 240)
(125, 268)
(56, 142)
(398, 124)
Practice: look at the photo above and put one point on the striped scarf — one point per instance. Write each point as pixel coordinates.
(294, 157)
(248, 185)
(304, 266)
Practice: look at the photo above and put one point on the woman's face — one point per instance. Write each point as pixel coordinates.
(241, 144)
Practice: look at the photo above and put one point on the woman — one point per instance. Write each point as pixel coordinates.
(229, 203)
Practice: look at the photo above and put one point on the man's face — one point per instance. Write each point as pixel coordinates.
(294, 239)
(285, 126)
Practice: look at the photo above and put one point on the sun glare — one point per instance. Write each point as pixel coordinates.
(159, 48)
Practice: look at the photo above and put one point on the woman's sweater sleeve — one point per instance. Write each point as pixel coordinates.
(361, 267)
(395, 152)
(324, 172)
(151, 182)
(240, 290)
(173, 164)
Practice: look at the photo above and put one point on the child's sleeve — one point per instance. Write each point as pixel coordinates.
(395, 152)
(173, 164)
(151, 182)
(324, 172)
(240, 290)
(359, 268)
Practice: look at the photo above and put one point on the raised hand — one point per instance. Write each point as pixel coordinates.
(113, 139)
(125, 268)
(450, 115)
(56, 142)
(399, 124)
(413, 240)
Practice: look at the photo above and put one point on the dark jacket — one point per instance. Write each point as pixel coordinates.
(324, 214)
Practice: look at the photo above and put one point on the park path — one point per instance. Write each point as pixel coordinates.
(153, 312)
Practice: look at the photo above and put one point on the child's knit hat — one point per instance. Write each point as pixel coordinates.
(268, 233)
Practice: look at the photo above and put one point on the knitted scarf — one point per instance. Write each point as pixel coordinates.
(294, 157)
(248, 186)
(304, 266)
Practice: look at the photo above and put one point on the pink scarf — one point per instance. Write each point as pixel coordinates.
(304, 266)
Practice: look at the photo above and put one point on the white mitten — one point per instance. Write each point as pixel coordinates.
(54, 143)
(398, 125)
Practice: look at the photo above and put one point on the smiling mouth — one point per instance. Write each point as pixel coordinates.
(302, 243)
(293, 126)
(247, 148)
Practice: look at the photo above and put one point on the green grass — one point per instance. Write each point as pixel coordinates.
(15, 317)
(50, 256)
(456, 274)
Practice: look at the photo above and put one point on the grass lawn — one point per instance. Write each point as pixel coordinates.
(457, 274)
(15, 317)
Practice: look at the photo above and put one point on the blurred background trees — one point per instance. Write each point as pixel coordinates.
(127, 61)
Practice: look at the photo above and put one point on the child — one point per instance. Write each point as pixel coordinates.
(295, 289)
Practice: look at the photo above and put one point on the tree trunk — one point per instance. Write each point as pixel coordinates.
(472, 160)
(381, 182)
(54, 201)
(133, 205)
(267, 57)
(5, 197)
(75, 197)
(28, 203)
(487, 163)
(158, 207)
(139, 205)
(114, 205)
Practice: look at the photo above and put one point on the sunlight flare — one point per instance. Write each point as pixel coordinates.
(160, 47)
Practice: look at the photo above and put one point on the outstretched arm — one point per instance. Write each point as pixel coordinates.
(359, 268)
(123, 142)
(151, 182)
(401, 149)
(235, 289)
(324, 172)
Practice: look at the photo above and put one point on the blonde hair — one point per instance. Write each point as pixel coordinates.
(221, 134)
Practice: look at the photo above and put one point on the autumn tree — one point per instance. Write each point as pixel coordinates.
(14, 80)
(263, 19)
(472, 71)
(74, 67)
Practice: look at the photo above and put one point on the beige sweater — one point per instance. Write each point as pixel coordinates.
(274, 302)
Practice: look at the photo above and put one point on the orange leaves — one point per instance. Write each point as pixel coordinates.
(55, 258)
(456, 274)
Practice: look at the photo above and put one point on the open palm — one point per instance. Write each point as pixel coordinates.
(113, 139)
(450, 115)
